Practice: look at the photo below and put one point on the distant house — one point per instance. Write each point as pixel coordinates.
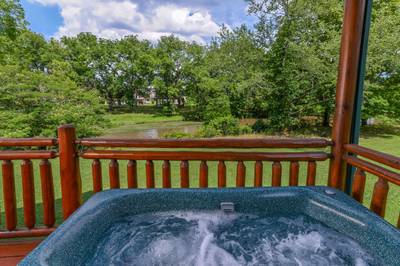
(151, 98)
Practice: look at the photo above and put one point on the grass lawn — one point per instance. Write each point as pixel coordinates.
(379, 138)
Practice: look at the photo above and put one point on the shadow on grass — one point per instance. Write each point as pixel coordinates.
(380, 131)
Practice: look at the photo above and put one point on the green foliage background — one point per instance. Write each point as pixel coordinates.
(282, 72)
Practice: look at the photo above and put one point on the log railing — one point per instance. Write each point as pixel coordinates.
(41, 150)
(211, 154)
(377, 164)
(188, 153)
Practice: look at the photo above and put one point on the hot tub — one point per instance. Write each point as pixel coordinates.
(275, 226)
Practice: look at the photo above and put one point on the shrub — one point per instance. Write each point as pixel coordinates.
(177, 135)
(245, 129)
(260, 126)
(223, 126)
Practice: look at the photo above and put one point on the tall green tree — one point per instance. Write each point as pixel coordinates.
(12, 18)
(382, 85)
(302, 40)
(35, 104)
(136, 65)
(174, 58)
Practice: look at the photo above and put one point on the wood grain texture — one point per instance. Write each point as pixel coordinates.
(166, 172)
(240, 174)
(9, 198)
(276, 174)
(311, 173)
(359, 185)
(46, 181)
(28, 193)
(132, 174)
(26, 155)
(374, 169)
(379, 197)
(353, 22)
(97, 177)
(184, 171)
(208, 143)
(258, 174)
(71, 183)
(205, 156)
(203, 179)
(18, 142)
(113, 170)
(377, 156)
(294, 174)
(11, 253)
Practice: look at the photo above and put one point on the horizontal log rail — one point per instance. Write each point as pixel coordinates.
(205, 156)
(26, 155)
(375, 165)
(380, 157)
(27, 142)
(208, 143)
(371, 168)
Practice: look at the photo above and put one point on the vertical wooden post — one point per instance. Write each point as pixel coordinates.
(240, 174)
(350, 51)
(97, 176)
(184, 169)
(10, 205)
(166, 173)
(359, 185)
(71, 183)
(258, 174)
(221, 174)
(46, 180)
(113, 172)
(276, 174)
(28, 193)
(132, 174)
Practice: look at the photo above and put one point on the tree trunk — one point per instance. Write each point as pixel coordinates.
(110, 104)
(326, 118)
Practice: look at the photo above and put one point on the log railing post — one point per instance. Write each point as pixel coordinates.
(71, 183)
(349, 66)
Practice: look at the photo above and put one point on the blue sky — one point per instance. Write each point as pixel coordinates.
(195, 20)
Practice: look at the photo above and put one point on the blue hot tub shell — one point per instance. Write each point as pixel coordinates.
(76, 239)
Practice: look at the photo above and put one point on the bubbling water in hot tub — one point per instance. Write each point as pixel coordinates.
(217, 238)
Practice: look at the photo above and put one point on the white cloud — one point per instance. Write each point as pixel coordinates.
(147, 19)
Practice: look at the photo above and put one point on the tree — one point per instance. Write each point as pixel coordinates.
(302, 39)
(174, 60)
(12, 18)
(382, 85)
(136, 65)
(231, 62)
(35, 104)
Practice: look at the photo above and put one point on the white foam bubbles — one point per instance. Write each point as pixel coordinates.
(216, 238)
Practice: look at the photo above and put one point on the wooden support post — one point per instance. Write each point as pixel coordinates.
(10, 205)
(71, 183)
(28, 193)
(346, 86)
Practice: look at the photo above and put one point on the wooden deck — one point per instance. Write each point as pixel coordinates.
(12, 252)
